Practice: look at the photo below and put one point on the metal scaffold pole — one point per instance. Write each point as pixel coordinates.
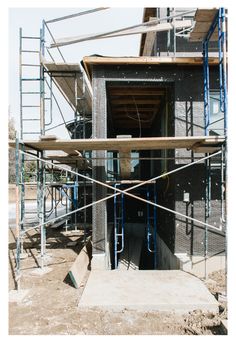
(42, 210)
(20, 83)
(207, 208)
(41, 153)
(18, 237)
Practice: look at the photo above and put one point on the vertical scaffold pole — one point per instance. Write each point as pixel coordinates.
(42, 209)
(224, 70)
(18, 238)
(22, 194)
(155, 228)
(206, 87)
(222, 14)
(42, 91)
(207, 208)
(41, 153)
(20, 83)
(115, 233)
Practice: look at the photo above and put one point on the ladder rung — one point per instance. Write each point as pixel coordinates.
(30, 65)
(32, 79)
(30, 37)
(30, 93)
(30, 106)
(31, 51)
(30, 119)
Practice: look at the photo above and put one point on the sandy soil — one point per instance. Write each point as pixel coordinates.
(50, 305)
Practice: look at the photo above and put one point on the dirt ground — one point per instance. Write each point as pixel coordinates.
(51, 303)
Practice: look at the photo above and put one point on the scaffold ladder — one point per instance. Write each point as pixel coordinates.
(119, 225)
(31, 84)
(151, 232)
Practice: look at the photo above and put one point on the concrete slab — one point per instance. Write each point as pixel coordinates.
(147, 290)
(17, 296)
(41, 271)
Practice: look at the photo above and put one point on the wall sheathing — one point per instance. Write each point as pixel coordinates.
(187, 119)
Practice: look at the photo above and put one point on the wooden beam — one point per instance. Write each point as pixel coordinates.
(147, 60)
(48, 138)
(125, 163)
(143, 115)
(94, 60)
(131, 124)
(135, 91)
(206, 149)
(149, 41)
(135, 101)
(121, 109)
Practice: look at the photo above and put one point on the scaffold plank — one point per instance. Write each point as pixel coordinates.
(203, 20)
(117, 144)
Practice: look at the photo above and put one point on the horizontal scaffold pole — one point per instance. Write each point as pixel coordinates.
(76, 15)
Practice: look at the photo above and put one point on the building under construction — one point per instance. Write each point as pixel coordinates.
(143, 172)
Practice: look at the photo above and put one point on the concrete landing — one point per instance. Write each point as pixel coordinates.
(147, 290)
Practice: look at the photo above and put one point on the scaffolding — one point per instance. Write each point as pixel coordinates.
(219, 25)
(71, 189)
